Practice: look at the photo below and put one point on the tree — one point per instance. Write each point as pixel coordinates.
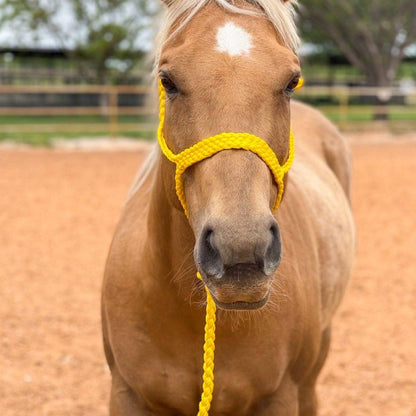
(372, 34)
(110, 44)
(102, 34)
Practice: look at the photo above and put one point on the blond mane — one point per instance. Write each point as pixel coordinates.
(281, 15)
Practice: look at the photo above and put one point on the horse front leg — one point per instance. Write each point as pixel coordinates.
(284, 402)
(123, 401)
(308, 402)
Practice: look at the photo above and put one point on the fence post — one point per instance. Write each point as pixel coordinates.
(113, 112)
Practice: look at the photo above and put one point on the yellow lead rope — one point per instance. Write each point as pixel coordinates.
(209, 350)
(194, 154)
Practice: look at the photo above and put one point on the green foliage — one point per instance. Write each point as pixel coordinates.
(29, 12)
(109, 50)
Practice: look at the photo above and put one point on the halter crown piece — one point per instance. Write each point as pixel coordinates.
(194, 154)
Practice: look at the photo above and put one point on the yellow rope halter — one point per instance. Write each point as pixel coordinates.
(194, 154)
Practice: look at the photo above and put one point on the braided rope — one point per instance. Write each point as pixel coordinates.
(194, 154)
(209, 350)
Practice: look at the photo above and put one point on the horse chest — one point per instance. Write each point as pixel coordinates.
(170, 382)
(178, 393)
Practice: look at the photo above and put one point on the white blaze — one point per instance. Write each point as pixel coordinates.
(234, 40)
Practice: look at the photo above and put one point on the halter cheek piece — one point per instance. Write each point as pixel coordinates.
(194, 154)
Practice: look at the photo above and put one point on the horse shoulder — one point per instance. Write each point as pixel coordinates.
(313, 129)
(123, 271)
(319, 186)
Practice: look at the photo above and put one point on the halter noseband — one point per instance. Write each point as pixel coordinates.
(224, 141)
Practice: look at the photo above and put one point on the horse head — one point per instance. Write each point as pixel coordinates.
(227, 72)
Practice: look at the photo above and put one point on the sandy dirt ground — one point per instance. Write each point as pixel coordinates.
(58, 210)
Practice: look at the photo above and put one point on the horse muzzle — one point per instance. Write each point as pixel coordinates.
(238, 265)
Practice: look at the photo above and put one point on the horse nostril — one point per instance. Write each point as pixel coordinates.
(274, 231)
(208, 237)
(274, 251)
(207, 255)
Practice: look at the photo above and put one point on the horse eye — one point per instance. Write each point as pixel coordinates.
(168, 85)
(292, 84)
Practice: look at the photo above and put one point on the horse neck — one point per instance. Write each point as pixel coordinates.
(170, 238)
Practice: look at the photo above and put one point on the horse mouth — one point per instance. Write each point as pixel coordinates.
(241, 305)
(242, 287)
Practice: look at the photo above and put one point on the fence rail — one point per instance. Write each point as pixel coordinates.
(76, 111)
(111, 109)
(73, 89)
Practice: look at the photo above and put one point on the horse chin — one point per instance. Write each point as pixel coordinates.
(241, 287)
(242, 305)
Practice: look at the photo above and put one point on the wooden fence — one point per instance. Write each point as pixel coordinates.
(379, 101)
(112, 111)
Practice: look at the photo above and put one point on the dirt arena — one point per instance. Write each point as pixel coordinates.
(58, 210)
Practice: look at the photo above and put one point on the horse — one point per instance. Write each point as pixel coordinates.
(276, 278)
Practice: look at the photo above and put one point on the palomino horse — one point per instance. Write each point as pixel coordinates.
(277, 279)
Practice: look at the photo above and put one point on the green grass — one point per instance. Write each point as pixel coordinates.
(38, 139)
(356, 114)
(46, 139)
(17, 124)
